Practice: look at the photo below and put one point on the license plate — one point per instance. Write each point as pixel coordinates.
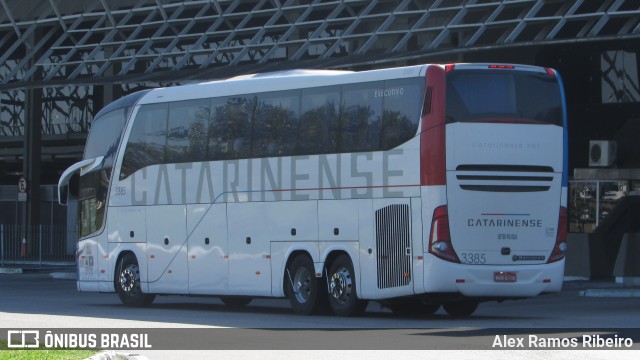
(505, 276)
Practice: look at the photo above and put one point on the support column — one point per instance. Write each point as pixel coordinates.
(31, 165)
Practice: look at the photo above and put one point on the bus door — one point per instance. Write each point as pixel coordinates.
(208, 256)
(167, 249)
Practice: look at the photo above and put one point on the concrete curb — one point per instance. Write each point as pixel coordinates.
(63, 275)
(611, 292)
(10, 271)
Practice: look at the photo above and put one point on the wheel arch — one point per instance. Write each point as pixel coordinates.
(333, 254)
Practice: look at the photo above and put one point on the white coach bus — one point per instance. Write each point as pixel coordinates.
(417, 187)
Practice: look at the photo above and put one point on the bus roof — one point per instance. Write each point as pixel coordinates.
(276, 81)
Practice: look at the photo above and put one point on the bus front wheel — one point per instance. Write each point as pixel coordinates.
(342, 288)
(127, 283)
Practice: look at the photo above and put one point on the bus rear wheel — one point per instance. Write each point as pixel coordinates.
(303, 287)
(127, 283)
(342, 288)
(460, 308)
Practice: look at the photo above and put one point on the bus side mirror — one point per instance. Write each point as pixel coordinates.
(63, 194)
(69, 190)
(84, 167)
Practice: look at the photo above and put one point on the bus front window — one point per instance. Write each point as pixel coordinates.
(104, 138)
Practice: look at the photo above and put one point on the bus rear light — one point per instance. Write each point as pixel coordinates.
(433, 137)
(550, 71)
(449, 67)
(546, 281)
(440, 246)
(440, 236)
(560, 247)
(501, 67)
(459, 281)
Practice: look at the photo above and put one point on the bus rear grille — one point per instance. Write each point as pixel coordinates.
(504, 178)
(393, 246)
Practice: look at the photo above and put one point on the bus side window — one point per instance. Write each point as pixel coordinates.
(273, 124)
(147, 141)
(187, 131)
(318, 128)
(230, 128)
(402, 100)
(361, 117)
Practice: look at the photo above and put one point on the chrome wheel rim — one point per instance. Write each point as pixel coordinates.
(302, 285)
(340, 285)
(129, 280)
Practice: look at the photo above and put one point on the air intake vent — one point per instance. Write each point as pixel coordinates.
(393, 246)
(504, 178)
(426, 108)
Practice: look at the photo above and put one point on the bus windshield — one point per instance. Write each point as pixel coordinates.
(503, 96)
(103, 140)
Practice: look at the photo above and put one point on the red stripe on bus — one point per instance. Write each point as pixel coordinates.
(432, 138)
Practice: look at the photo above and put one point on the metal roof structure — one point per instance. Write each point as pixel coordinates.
(54, 42)
(77, 55)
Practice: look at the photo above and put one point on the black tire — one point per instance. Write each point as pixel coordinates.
(303, 288)
(236, 301)
(460, 308)
(428, 308)
(343, 297)
(413, 307)
(127, 283)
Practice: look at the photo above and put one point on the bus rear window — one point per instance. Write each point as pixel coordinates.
(503, 96)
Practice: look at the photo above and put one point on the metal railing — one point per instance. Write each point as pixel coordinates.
(36, 245)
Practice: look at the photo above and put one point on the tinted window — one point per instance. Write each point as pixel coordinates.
(514, 96)
(187, 132)
(105, 134)
(361, 117)
(318, 128)
(369, 116)
(147, 140)
(402, 102)
(104, 139)
(275, 118)
(230, 127)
